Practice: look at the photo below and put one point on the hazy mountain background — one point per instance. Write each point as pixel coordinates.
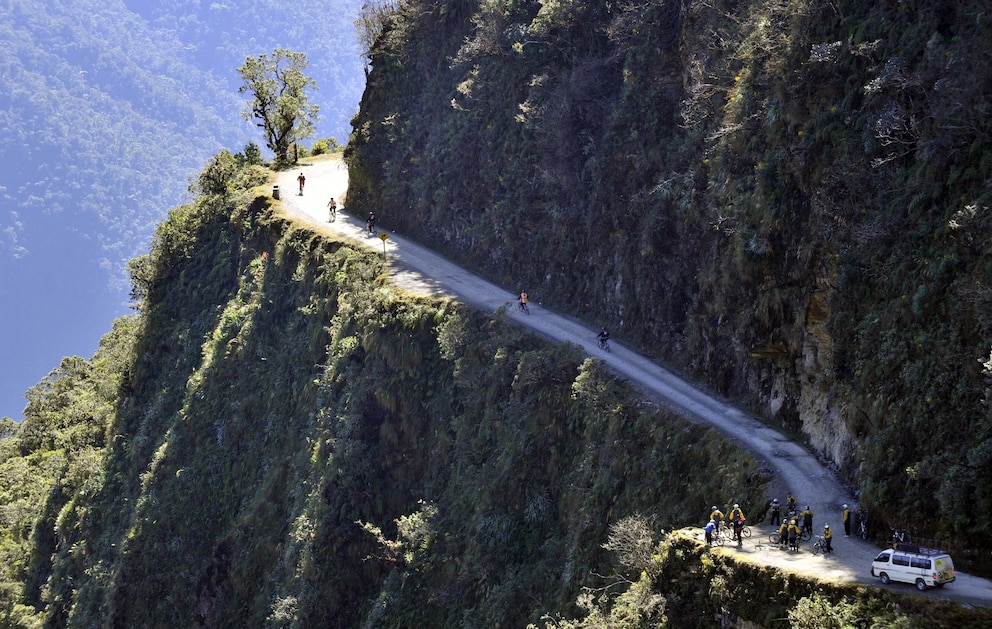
(107, 109)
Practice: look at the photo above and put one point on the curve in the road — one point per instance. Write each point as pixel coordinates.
(419, 269)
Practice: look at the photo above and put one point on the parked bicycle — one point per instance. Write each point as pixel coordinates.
(862, 520)
(900, 536)
(727, 535)
(794, 542)
(777, 540)
(820, 545)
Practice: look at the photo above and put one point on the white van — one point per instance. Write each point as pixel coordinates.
(926, 567)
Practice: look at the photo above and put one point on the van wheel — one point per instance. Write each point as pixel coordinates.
(921, 585)
(885, 578)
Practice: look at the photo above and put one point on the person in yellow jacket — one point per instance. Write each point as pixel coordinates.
(783, 534)
(736, 514)
(717, 516)
(828, 538)
(794, 533)
(847, 521)
(807, 516)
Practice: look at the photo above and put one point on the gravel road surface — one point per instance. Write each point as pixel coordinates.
(795, 469)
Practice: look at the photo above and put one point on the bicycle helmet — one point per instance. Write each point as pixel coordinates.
(736, 506)
(826, 526)
(845, 506)
(714, 508)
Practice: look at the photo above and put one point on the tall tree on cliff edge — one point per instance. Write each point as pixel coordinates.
(279, 100)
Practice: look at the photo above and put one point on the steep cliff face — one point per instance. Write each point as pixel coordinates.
(786, 200)
(279, 439)
(296, 444)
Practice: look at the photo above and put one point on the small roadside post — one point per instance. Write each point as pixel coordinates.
(383, 236)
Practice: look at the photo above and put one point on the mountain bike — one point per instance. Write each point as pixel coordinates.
(524, 307)
(900, 536)
(727, 536)
(604, 343)
(794, 542)
(745, 533)
(820, 545)
(862, 530)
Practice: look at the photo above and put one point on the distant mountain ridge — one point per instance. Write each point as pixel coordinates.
(108, 108)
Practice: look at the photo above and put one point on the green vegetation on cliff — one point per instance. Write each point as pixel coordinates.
(786, 199)
(279, 438)
(285, 440)
(687, 584)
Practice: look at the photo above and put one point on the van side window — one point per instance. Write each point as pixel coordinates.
(920, 562)
(883, 556)
(900, 560)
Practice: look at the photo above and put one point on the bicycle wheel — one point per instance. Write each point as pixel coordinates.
(807, 535)
(775, 539)
(717, 539)
(746, 531)
(817, 548)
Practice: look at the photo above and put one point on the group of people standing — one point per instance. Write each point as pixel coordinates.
(789, 519)
(735, 519)
(791, 528)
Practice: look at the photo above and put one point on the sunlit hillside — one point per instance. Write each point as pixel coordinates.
(107, 109)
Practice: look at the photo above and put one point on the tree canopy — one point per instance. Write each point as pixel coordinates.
(279, 100)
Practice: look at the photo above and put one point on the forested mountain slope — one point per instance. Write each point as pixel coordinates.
(280, 439)
(787, 200)
(107, 109)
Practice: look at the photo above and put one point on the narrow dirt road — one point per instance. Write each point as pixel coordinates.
(417, 269)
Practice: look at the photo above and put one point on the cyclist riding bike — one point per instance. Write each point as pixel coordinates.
(523, 302)
(604, 337)
(332, 207)
(302, 181)
(370, 223)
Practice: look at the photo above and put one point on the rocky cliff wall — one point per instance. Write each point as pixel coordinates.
(784, 200)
